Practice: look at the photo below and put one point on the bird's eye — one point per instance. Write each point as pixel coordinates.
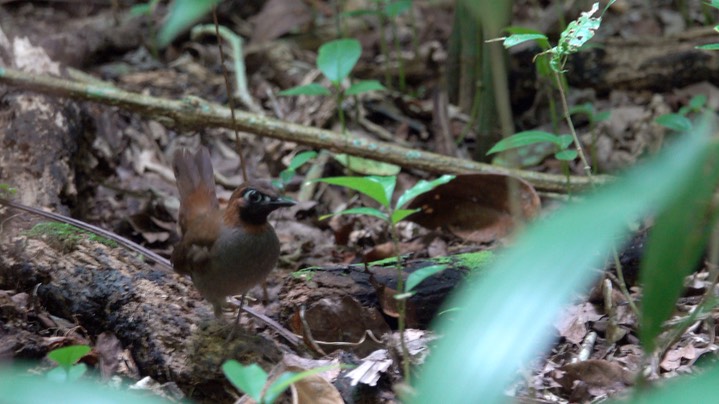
(253, 196)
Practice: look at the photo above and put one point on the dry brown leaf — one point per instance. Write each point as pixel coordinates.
(279, 17)
(572, 325)
(674, 357)
(593, 377)
(475, 207)
(342, 319)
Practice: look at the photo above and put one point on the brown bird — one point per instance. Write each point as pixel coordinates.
(225, 251)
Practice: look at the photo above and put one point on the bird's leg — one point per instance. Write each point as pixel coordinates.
(237, 319)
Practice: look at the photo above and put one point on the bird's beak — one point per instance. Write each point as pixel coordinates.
(281, 202)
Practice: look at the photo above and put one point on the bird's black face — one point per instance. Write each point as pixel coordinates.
(256, 205)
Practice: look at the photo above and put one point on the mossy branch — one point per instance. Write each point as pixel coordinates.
(196, 113)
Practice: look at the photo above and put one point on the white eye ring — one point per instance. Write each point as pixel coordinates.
(253, 196)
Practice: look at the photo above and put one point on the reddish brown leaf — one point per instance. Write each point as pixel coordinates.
(279, 17)
(475, 207)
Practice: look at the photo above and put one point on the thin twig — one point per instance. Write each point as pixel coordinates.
(193, 112)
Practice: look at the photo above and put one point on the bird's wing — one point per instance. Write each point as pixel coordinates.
(192, 253)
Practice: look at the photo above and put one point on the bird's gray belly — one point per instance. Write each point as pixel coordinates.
(240, 266)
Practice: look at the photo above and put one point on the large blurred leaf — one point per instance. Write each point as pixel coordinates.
(686, 389)
(675, 246)
(248, 379)
(18, 386)
(183, 13)
(506, 316)
(337, 58)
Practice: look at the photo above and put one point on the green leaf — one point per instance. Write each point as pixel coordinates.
(307, 89)
(365, 166)
(542, 42)
(710, 46)
(602, 116)
(397, 7)
(69, 355)
(523, 139)
(566, 155)
(337, 58)
(286, 379)
(579, 31)
(183, 14)
(487, 342)
(421, 187)
(416, 277)
(378, 188)
(301, 158)
(364, 86)
(677, 122)
(697, 102)
(17, 385)
(565, 141)
(587, 108)
(400, 214)
(514, 40)
(682, 389)
(362, 210)
(674, 247)
(249, 379)
(140, 9)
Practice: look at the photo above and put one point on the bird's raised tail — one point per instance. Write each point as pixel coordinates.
(196, 184)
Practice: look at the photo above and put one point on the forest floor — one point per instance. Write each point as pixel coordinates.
(111, 167)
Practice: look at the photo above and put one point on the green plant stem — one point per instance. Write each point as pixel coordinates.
(398, 55)
(343, 123)
(338, 18)
(568, 118)
(623, 283)
(415, 36)
(401, 303)
(384, 48)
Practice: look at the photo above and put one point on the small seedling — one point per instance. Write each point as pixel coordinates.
(288, 173)
(68, 369)
(335, 60)
(183, 14)
(381, 190)
(574, 37)
(251, 380)
(711, 46)
(679, 121)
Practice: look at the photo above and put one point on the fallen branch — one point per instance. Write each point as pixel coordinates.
(194, 112)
